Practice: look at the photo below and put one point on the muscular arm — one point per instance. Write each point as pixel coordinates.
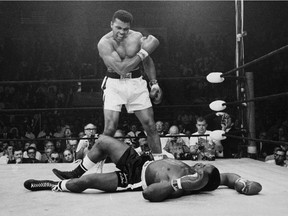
(228, 179)
(149, 68)
(160, 191)
(121, 66)
(113, 60)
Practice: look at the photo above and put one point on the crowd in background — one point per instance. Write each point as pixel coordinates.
(185, 138)
(55, 58)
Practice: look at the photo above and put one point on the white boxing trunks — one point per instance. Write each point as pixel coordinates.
(131, 92)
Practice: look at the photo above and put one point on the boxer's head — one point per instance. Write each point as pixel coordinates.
(120, 24)
(123, 16)
(213, 175)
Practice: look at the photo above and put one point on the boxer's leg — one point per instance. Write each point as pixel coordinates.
(104, 146)
(146, 117)
(101, 181)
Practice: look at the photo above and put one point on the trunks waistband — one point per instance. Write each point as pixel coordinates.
(131, 75)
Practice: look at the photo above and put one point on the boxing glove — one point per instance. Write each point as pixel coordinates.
(190, 182)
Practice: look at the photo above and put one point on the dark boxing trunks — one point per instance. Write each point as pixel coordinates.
(130, 165)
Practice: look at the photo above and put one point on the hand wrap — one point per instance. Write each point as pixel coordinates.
(143, 54)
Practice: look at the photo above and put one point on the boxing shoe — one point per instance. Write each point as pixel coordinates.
(37, 185)
(67, 174)
(156, 93)
(247, 187)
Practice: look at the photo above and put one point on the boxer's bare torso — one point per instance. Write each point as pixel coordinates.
(166, 170)
(120, 49)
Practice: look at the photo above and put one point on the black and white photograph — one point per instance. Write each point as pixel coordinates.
(140, 108)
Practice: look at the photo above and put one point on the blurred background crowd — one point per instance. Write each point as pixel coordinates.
(46, 41)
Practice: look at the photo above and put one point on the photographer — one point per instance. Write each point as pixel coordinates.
(176, 145)
(85, 145)
(202, 148)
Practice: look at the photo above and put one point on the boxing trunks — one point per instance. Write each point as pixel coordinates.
(130, 90)
(130, 166)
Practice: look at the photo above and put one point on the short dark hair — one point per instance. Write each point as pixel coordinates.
(123, 15)
(200, 119)
(31, 148)
(214, 180)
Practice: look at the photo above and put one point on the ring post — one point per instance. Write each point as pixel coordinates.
(250, 115)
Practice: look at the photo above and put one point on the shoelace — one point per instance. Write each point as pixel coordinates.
(41, 184)
(56, 188)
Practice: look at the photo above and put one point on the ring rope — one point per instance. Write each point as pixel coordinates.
(157, 107)
(85, 138)
(257, 140)
(91, 108)
(14, 82)
(257, 98)
(255, 61)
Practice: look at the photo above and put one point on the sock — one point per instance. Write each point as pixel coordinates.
(87, 163)
(62, 185)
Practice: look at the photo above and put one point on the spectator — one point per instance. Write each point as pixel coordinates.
(45, 132)
(55, 158)
(143, 148)
(38, 154)
(31, 152)
(72, 146)
(279, 157)
(160, 128)
(59, 133)
(8, 154)
(2, 148)
(81, 134)
(26, 146)
(231, 146)
(15, 133)
(68, 156)
(86, 144)
(166, 126)
(133, 133)
(176, 145)
(18, 157)
(120, 135)
(28, 133)
(286, 159)
(67, 135)
(204, 148)
(45, 157)
(48, 148)
(5, 133)
(60, 146)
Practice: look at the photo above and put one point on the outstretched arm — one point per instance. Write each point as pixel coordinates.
(228, 179)
(160, 191)
(241, 185)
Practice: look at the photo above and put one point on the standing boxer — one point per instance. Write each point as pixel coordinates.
(122, 50)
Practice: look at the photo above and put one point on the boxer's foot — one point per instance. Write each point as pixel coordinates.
(65, 174)
(37, 185)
